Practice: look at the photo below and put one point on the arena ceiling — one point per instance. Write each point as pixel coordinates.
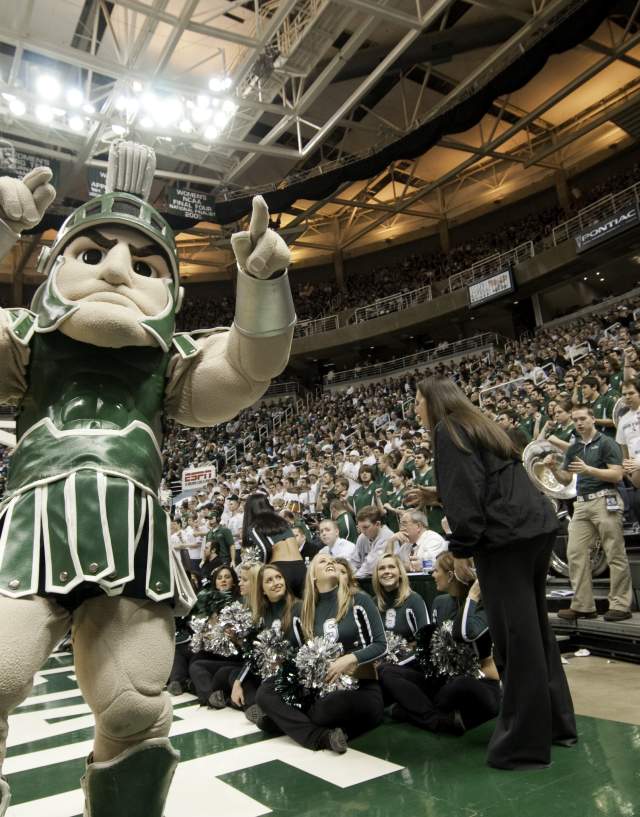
(242, 95)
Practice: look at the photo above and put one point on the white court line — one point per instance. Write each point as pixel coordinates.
(51, 696)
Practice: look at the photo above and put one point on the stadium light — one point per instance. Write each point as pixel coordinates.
(75, 97)
(48, 87)
(17, 106)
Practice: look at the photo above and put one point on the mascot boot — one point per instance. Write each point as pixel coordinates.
(133, 784)
(5, 796)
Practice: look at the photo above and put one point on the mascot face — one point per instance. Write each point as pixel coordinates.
(117, 277)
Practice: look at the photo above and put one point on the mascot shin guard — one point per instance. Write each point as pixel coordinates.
(5, 796)
(134, 784)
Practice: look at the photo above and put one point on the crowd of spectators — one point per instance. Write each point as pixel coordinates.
(319, 450)
(369, 283)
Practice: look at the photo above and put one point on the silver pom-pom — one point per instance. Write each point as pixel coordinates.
(269, 649)
(199, 627)
(450, 657)
(225, 636)
(398, 649)
(313, 661)
(250, 556)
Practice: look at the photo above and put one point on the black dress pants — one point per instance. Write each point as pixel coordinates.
(202, 672)
(355, 711)
(224, 679)
(536, 703)
(426, 700)
(180, 668)
(295, 574)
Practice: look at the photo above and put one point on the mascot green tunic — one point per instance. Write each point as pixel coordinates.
(93, 370)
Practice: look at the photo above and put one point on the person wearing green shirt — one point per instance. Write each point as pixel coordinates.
(420, 470)
(342, 516)
(390, 502)
(220, 539)
(597, 461)
(365, 494)
(563, 431)
(435, 513)
(600, 404)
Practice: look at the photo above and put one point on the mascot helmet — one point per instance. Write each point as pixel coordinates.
(129, 178)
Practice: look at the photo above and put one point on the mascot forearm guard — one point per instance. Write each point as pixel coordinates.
(93, 368)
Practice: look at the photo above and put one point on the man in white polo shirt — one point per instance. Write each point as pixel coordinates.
(334, 545)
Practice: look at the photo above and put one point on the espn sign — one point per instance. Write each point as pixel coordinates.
(197, 477)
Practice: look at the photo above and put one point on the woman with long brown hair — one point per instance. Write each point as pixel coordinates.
(449, 704)
(330, 609)
(497, 516)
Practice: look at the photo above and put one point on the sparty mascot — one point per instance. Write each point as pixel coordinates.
(93, 369)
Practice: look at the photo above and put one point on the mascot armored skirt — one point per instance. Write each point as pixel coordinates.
(93, 369)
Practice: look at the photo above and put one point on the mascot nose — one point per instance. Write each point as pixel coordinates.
(117, 266)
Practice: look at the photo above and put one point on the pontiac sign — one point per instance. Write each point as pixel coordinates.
(604, 230)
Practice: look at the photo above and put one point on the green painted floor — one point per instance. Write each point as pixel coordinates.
(440, 776)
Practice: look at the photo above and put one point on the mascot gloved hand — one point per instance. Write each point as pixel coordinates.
(260, 251)
(93, 368)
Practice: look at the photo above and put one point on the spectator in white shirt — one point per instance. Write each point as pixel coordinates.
(423, 544)
(370, 544)
(334, 545)
(232, 518)
(351, 469)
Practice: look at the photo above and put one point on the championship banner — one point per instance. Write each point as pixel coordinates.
(17, 164)
(605, 230)
(96, 181)
(190, 203)
(197, 477)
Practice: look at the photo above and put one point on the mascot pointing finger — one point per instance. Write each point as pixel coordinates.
(93, 369)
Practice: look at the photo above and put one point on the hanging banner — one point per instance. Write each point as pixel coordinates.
(96, 181)
(491, 287)
(190, 203)
(197, 477)
(17, 164)
(604, 230)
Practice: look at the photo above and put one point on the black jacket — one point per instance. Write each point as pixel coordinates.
(489, 502)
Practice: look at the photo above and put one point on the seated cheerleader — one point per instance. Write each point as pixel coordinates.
(330, 609)
(449, 703)
(204, 665)
(222, 590)
(273, 604)
(403, 611)
(268, 532)
(347, 573)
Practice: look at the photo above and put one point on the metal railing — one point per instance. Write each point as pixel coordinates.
(315, 326)
(476, 343)
(491, 264)
(392, 303)
(601, 210)
(290, 387)
(537, 375)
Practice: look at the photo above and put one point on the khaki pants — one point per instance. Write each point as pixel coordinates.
(591, 520)
(123, 650)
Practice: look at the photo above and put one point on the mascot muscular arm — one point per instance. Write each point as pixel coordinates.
(232, 369)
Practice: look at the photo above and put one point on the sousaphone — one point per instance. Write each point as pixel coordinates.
(620, 409)
(542, 476)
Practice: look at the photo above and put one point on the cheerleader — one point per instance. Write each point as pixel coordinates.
(222, 591)
(347, 573)
(449, 704)
(276, 543)
(273, 604)
(330, 609)
(403, 611)
(204, 665)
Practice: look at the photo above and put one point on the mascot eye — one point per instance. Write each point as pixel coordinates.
(92, 256)
(142, 268)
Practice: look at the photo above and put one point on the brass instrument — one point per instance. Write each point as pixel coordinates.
(541, 475)
(619, 410)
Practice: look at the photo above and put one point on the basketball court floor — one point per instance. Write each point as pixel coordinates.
(228, 769)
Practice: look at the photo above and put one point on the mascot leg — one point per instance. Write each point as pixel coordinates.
(30, 628)
(123, 655)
